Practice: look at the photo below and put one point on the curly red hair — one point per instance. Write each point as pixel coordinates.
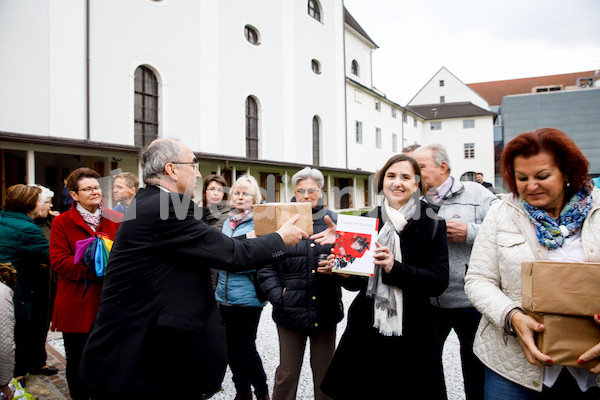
(567, 156)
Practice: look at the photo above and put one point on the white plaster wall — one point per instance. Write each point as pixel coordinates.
(166, 37)
(366, 156)
(67, 69)
(24, 67)
(359, 49)
(278, 73)
(453, 137)
(453, 90)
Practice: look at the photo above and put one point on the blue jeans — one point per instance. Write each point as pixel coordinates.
(499, 388)
(565, 387)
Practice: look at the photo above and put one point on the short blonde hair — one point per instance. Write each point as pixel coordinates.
(249, 180)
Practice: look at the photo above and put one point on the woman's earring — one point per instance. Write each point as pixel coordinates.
(568, 184)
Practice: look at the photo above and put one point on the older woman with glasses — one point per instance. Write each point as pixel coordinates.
(306, 303)
(78, 292)
(238, 301)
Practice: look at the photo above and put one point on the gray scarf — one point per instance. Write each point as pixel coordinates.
(388, 299)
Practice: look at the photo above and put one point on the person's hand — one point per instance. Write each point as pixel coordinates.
(526, 326)
(54, 213)
(384, 257)
(456, 231)
(7, 392)
(327, 236)
(592, 353)
(326, 266)
(290, 233)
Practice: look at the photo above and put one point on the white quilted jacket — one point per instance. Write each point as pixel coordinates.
(493, 282)
(7, 329)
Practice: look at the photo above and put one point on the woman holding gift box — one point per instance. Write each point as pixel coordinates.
(552, 213)
(238, 301)
(307, 305)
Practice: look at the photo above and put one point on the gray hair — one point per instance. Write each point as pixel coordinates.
(250, 180)
(46, 193)
(156, 155)
(309, 173)
(438, 152)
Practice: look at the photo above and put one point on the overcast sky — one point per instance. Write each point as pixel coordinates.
(476, 40)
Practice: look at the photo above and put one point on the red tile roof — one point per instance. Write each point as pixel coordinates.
(493, 92)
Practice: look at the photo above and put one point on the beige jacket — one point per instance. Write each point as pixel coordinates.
(493, 282)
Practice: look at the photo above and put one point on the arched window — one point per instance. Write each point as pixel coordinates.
(251, 128)
(316, 66)
(314, 10)
(316, 134)
(354, 68)
(146, 107)
(252, 35)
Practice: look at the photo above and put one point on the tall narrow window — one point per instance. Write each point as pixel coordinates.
(378, 138)
(358, 132)
(314, 10)
(394, 142)
(442, 99)
(316, 131)
(354, 68)
(146, 107)
(251, 128)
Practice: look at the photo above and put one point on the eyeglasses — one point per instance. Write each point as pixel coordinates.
(238, 194)
(194, 164)
(310, 191)
(89, 189)
(213, 189)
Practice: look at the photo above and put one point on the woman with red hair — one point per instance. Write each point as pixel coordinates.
(551, 213)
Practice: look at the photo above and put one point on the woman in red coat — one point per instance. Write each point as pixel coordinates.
(78, 292)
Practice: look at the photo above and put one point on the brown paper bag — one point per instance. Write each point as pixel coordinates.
(568, 288)
(270, 216)
(565, 338)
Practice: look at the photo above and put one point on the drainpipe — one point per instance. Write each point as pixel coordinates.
(87, 69)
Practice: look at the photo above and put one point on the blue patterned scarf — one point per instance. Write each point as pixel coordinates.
(552, 232)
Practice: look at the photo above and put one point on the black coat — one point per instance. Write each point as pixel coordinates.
(302, 298)
(158, 323)
(368, 365)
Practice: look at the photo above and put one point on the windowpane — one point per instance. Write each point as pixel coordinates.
(436, 126)
(468, 123)
(145, 106)
(469, 150)
(316, 139)
(314, 10)
(378, 138)
(251, 128)
(358, 132)
(251, 35)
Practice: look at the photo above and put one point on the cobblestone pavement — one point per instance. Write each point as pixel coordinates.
(55, 387)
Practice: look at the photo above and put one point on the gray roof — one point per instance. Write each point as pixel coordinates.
(449, 110)
(349, 19)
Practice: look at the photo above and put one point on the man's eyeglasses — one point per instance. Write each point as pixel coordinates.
(310, 191)
(89, 189)
(194, 164)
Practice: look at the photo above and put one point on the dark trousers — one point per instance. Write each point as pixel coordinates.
(241, 324)
(291, 354)
(74, 345)
(464, 321)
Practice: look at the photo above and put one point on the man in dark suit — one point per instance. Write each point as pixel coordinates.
(158, 323)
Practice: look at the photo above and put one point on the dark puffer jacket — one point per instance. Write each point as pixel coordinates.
(302, 298)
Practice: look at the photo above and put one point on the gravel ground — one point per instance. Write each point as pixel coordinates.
(268, 348)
